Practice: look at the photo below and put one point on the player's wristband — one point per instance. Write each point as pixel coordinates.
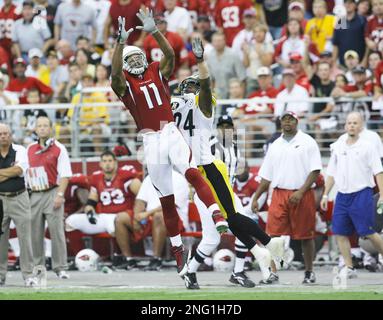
(324, 197)
(154, 31)
(91, 203)
(60, 194)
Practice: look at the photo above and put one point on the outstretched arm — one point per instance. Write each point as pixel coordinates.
(205, 95)
(148, 25)
(118, 79)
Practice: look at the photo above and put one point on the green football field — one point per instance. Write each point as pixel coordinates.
(166, 285)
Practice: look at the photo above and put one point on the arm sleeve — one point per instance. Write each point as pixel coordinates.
(375, 162)
(315, 157)
(21, 159)
(143, 193)
(331, 167)
(63, 164)
(44, 89)
(46, 33)
(266, 171)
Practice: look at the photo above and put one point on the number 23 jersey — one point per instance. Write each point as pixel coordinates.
(194, 126)
(114, 196)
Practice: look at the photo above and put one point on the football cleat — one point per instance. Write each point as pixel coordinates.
(242, 279)
(131, 264)
(31, 282)
(155, 264)
(62, 274)
(191, 281)
(182, 256)
(273, 279)
(309, 278)
(220, 223)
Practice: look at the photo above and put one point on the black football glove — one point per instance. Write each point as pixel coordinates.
(91, 217)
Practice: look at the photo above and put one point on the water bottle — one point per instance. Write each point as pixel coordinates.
(106, 270)
(379, 209)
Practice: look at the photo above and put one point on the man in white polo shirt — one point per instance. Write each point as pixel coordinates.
(353, 164)
(291, 166)
(293, 92)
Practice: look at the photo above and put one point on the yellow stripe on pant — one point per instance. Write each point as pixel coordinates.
(216, 175)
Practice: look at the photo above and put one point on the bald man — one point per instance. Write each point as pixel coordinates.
(14, 205)
(352, 167)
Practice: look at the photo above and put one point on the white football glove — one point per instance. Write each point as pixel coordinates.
(197, 48)
(148, 24)
(123, 35)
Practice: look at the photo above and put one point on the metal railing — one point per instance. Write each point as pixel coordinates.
(96, 135)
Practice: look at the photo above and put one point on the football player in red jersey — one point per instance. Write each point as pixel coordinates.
(9, 13)
(144, 90)
(229, 17)
(110, 203)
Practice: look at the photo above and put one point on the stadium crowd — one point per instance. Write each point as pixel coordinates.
(286, 50)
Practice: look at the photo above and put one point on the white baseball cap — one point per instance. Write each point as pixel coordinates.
(296, 4)
(263, 71)
(35, 52)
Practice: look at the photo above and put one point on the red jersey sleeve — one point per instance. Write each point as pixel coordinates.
(80, 180)
(44, 89)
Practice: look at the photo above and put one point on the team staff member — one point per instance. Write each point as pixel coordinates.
(353, 164)
(292, 165)
(15, 205)
(48, 175)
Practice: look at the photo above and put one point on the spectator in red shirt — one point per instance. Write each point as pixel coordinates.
(154, 53)
(229, 17)
(21, 84)
(156, 5)
(361, 88)
(374, 29)
(296, 64)
(8, 14)
(127, 9)
(64, 51)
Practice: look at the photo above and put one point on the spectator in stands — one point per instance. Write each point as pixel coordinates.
(351, 60)
(35, 67)
(322, 87)
(93, 120)
(84, 43)
(9, 13)
(204, 27)
(298, 65)
(364, 8)
(373, 32)
(256, 54)
(64, 51)
(73, 19)
(178, 19)
(154, 53)
(276, 16)
(374, 59)
(102, 76)
(326, 56)
(127, 9)
(74, 83)
(350, 35)
(293, 92)
(147, 211)
(82, 60)
(29, 33)
(28, 122)
(102, 8)
(21, 83)
(47, 11)
(236, 91)
(57, 75)
(183, 73)
(320, 29)
(229, 17)
(224, 64)
(292, 43)
(6, 98)
(247, 33)
(296, 12)
(194, 7)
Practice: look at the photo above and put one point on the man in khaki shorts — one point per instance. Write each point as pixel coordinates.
(14, 205)
(48, 176)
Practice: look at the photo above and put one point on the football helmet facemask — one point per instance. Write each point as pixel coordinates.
(134, 60)
(190, 85)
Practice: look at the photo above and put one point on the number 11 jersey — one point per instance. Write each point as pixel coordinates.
(147, 98)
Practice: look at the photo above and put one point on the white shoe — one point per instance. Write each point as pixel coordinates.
(31, 282)
(62, 275)
(277, 249)
(351, 272)
(263, 258)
